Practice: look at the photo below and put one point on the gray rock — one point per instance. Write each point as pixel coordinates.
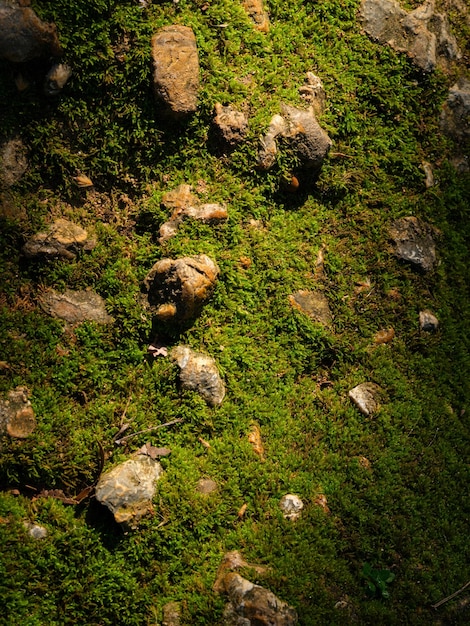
(176, 69)
(127, 490)
(303, 133)
(16, 413)
(455, 115)
(23, 36)
(35, 530)
(291, 506)
(231, 125)
(178, 289)
(199, 373)
(314, 304)
(206, 486)
(414, 242)
(62, 239)
(253, 605)
(366, 397)
(13, 162)
(56, 78)
(75, 306)
(422, 33)
(185, 205)
(313, 93)
(428, 321)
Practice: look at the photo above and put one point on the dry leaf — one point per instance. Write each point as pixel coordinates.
(322, 502)
(205, 443)
(242, 510)
(83, 181)
(384, 336)
(148, 450)
(157, 350)
(255, 439)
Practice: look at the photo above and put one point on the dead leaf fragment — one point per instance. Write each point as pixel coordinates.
(322, 502)
(157, 350)
(254, 437)
(205, 443)
(384, 336)
(242, 511)
(83, 181)
(148, 450)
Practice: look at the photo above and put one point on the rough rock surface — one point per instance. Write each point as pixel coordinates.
(184, 204)
(177, 289)
(422, 33)
(127, 490)
(253, 605)
(62, 239)
(413, 241)
(428, 321)
(366, 397)
(171, 614)
(35, 530)
(304, 134)
(16, 413)
(176, 69)
(231, 125)
(206, 486)
(198, 372)
(455, 116)
(13, 162)
(313, 93)
(23, 36)
(314, 304)
(75, 306)
(258, 14)
(291, 506)
(56, 78)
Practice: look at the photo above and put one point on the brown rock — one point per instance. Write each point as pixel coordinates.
(206, 486)
(199, 373)
(171, 614)
(23, 36)
(16, 413)
(231, 125)
(455, 116)
(314, 304)
(75, 306)
(177, 289)
(176, 69)
(13, 162)
(258, 14)
(62, 239)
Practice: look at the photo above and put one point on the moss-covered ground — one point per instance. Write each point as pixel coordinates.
(396, 484)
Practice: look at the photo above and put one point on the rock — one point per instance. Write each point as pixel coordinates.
(176, 69)
(428, 321)
(455, 115)
(313, 93)
(16, 413)
(291, 506)
(314, 304)
(198, 372)
(257, 13)
(171, 614)
(429, 174)
(127, 490)
(366, 397)
(231, 125)
(23, 36)
(56, 79)
(13, 162)
(414, 242)
(206, 486)
(422, 33)
(233, 561)
(185, 205)
(75, 306)
(253, 605)
(177, 289)
(385, 335)
(63, 239)
(304, 134)
(35, 530)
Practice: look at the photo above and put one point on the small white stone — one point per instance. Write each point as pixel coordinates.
(291, 506)
(36, 531)
(365, 397)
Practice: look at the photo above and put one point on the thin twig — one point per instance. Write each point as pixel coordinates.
(147, 430)
(342, 155)
(434, 606)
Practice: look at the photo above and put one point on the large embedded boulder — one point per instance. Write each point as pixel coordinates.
(176, 290)
(304, 136)
(199, 373)
(422, 33)
(23, 36)
(63, 239)
(127, 490)
(176, 69)
(75, 307)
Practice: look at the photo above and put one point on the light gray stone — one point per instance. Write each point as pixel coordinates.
(35, 530)
(291, 506)
(75, 306)
(231, 125)
(366, 397)
(199, 373)
(127, 490)
(56, 78)
(314, 304)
